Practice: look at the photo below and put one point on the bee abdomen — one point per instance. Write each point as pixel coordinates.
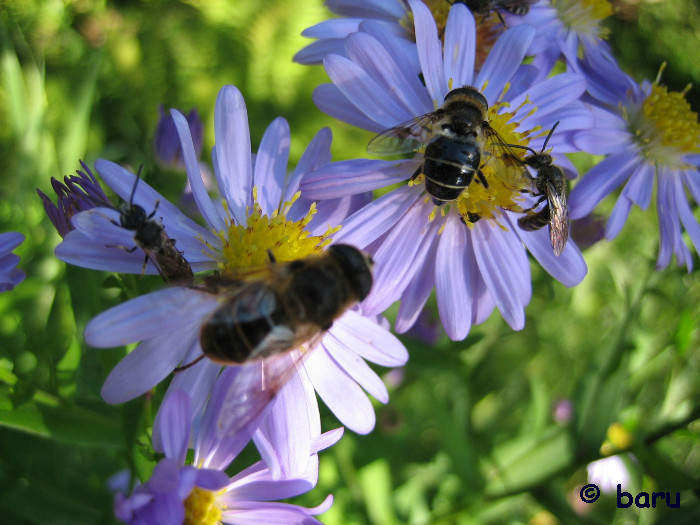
(531, 223)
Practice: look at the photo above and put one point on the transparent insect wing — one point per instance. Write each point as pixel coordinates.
(559, 218)
(406, 137)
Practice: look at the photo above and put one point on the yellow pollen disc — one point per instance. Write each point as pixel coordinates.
(200, 508)
(665, 127)
(505, 178)
(584, 16)
(249, 245)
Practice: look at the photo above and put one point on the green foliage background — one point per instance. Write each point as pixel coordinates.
(469, 435)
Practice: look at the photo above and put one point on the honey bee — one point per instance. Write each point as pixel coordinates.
(457, 138)
(271, 310)
(484, 7)
(550, 184)
(150, 236)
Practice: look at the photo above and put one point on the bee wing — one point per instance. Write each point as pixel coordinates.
(251, 388)
(558, 218)
(172, 266)
(407, 137)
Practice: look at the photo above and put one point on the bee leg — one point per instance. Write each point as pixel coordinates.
(417, 172)
(143, 268)
(185, 367)
(130, 250)
(155, 208)
(539, 201)
(271, 256)
(482, 179)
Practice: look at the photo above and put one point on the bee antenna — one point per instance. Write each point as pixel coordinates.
(133, 191)
(550, 135)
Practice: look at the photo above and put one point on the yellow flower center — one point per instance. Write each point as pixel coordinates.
(250, 245)
(584, 16)
(201, 509)
(665, 127)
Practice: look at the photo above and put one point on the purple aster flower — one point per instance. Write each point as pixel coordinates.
(564, 28)
(651, 136)
(416, 245)
(10, 275)
(262, 211)
(178, 493)
(77, 193)
(166, 142)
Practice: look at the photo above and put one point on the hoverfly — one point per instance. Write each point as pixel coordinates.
(272, 310)
(457, 137)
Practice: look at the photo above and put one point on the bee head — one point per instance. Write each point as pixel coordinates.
(131, 217)
(357, 267)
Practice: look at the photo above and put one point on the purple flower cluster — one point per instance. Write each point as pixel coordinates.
(392, 65)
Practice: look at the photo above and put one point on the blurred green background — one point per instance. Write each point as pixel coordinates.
(470, 434)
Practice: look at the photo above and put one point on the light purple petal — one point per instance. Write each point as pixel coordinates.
(332, 212)
(9, 241)
(452, 284)
(271, 165)
(255, 513)
(689, 221)
(381, 66)
(340, 392)
(233, 151)
(333, 28)
(501, 266)
(147, 365)
(569, 268)
(400, 257)
(638, 189)
(369, 340)
(416, 293)
(287, 428)
(369, 223)
(668, 221)
(194, 174)
(380, 9)
(356, 367)
(504, 59)
(353, 176)
(316, 155)
(553, 94)
(364, 92)
(174, 418)
(599, 181)
(429, 52)
(210, 479)
(460, 46)
(329, 99)
(149, 316)
(327, 439)
(618, 217)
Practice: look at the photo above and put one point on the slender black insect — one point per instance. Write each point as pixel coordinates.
(551, 187)
(150, 236)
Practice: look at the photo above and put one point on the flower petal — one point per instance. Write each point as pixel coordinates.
(460, 46)
(329, 99)
(429, 52)
(232, 152)
(340, 392)
(271, 165)
(504, 59)
(501, 265)
(369, 340)
(452, 284)
(599, 181)
(174, 417)
(353, 176)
